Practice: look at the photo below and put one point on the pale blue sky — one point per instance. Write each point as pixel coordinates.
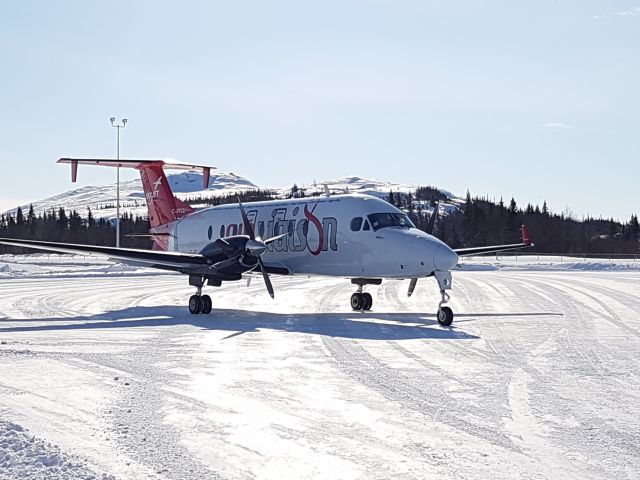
(537, 99)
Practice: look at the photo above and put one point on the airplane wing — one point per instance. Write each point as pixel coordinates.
(526, 243)
(179, 262)
(188, 263)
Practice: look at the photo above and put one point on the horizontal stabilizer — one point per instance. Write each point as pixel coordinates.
(138, 164)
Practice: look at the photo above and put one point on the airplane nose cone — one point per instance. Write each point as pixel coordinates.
(444, 258)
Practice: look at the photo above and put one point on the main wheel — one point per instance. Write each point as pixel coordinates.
(195, 304)
(445, 316)
(357, 301)
(367, 301)
(205, 304)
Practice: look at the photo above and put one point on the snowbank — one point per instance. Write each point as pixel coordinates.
(24, 456)
(532, 262)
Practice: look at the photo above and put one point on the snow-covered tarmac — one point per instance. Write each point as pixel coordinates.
(103, 372)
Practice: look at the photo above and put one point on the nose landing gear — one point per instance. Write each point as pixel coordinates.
(445, 314)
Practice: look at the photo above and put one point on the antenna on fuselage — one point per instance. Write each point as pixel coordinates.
(327, 193)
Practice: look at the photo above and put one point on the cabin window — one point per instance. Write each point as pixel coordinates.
(210, 232)
(366, 225)
(356, 224)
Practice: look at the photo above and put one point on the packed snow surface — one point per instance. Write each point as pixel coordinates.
(106, 374)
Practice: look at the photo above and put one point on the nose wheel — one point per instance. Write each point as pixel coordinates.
(445, 314)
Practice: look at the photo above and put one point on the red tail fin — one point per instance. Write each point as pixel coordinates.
(163, 206)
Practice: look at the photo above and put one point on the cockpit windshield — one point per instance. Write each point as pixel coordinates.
(382, 220)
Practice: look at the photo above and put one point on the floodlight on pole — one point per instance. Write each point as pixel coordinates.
(118, 126)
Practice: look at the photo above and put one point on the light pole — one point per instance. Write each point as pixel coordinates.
(118, 126)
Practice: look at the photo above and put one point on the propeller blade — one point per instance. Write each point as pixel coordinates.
(273, 239)
(248, 229)
(225, 263)
(412, 286)
(432, 220)
(267, 280)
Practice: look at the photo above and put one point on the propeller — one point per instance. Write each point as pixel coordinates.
(432, 220)
(255, 247)
(429, 229)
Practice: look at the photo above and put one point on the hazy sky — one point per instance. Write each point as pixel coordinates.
(537, 99)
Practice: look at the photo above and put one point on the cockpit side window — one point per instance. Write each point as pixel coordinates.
(383, 220)
(366, 225)
(356, 224)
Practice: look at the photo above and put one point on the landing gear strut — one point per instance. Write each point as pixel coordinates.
(199, 303)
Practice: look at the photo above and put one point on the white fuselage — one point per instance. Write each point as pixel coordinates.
(332, 235)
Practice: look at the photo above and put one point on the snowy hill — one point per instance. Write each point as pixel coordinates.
(354, 184)
(102, 199)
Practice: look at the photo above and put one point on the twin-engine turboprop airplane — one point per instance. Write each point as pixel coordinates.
(353, 236)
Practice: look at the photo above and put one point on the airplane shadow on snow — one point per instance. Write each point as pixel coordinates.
(365, 326)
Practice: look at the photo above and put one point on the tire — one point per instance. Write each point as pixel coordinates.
(367, 301)
(357, 301)
(205, 304)
(195, 304)
(445, 316)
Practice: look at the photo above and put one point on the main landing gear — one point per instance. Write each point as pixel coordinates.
(363, 300)
(199, 303)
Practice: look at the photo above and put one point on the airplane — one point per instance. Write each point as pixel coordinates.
(354, 236)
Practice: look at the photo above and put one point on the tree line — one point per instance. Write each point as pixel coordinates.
(477, 221)
(70, 227)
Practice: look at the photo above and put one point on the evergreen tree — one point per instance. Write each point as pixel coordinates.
(63, 221)
(75, 222)
(19, 217)
(90, 220)
(31, 216)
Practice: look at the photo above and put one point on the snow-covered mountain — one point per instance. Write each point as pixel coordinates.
(102, 199)
(353, 184)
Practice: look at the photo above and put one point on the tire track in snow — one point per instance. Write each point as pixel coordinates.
(411, 392)
(134, 421)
